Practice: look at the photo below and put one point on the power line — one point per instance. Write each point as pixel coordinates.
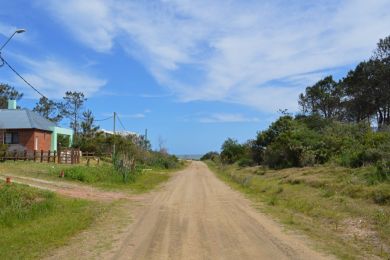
(20, 76)
(104, 119)
(121, 123)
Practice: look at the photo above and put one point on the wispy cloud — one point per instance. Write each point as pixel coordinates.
(260, 54)
(227, 118)
(7, 30)
(54, 77)
(140, 115)
(135, 116)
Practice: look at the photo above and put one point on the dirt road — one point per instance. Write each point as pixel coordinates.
(68, 189)
(197, 216)
(193, 216)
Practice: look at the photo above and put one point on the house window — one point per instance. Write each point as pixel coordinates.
(11, 138)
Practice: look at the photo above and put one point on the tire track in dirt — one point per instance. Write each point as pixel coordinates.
(69, 189)
(196, 216)
(192, 216)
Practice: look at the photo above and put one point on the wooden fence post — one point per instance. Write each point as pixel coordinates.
(48, 156)
(54, 157)
(41, 155)
(59, 153)
(72, 156)
(35, 155)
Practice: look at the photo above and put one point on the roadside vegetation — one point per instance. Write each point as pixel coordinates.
(33, 221)
(126, 159)
(325, 170)
(336, 206)
(104, 175)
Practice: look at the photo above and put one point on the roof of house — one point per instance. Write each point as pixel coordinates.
(23, 119)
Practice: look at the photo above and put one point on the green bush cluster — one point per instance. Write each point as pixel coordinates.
(162, 160)
(307, 140)
(213, 156)
(120, 170)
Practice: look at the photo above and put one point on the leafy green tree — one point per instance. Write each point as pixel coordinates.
(88, 127)
(367, 91)
(49, 109)
(232, 151)
(71, 108)
(7, 92)
(382, 51)
(382, 61)
(322, 98)
(283, 124)
(358, 87)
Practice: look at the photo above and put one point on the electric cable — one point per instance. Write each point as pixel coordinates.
(20, 76)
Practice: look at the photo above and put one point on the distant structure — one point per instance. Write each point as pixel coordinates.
(121, 133)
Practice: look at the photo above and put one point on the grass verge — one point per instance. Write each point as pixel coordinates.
(33, 221)
(340, 208)
(102, 176)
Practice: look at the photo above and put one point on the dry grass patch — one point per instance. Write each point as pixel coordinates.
(341, 208)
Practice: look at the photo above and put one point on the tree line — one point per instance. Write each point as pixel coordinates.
(130, 149)
(362, 95)
(71, 107)
(344, 122)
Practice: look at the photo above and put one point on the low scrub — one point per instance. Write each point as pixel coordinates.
(346, 210)
(33, 221)
(308, 140)
(104, 175)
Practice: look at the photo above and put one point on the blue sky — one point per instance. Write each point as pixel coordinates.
(192, 72)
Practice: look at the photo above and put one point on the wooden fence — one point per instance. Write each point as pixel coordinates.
(66, 156)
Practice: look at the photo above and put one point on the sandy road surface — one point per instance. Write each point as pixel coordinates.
(196, 216)
(193, 216)
(68, 189)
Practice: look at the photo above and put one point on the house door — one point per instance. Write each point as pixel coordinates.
(36, 143)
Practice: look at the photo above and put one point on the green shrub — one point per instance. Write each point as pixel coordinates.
(381, 196)
(244, 162)
(162, 160)
(383, 171)
(214, 156)
(3, 150)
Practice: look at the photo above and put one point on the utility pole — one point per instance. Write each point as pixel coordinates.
(113, 149)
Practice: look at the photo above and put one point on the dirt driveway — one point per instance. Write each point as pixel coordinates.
(193, 216)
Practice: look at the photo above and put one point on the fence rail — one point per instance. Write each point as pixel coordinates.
(65, 156)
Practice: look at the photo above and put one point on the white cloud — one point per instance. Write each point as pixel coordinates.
(132, 116)
(135, 116)
(6, 30)
(246, 52)
(53, 78)
(227, 118)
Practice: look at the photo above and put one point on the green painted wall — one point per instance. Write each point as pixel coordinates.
(62, 131)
